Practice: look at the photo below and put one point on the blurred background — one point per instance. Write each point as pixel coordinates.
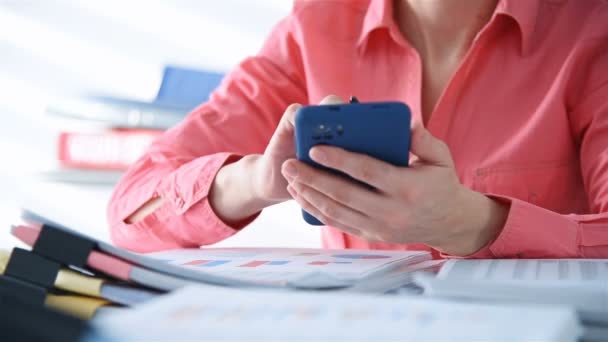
(86, 85)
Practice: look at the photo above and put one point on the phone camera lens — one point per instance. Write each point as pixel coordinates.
(323, 128)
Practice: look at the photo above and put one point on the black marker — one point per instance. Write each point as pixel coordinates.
(353, 99)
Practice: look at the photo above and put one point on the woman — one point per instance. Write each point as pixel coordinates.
(510, 134)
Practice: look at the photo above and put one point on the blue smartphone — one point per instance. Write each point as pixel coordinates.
(378, 129)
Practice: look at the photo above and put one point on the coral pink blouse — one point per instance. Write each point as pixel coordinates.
(525, 116)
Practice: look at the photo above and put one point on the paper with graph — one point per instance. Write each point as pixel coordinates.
(580, 283)
(289, 266)
(545, 272)
(216, 313)
(251, 267)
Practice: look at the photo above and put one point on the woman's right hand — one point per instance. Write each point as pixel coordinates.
(255, 182)
(267, 181)
(270, 184)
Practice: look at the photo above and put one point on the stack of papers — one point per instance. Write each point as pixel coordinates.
(196, 313)
(245, 267)
(266, 293)
(292, 267)
(83, 284)
(582, 283)
(578, 283)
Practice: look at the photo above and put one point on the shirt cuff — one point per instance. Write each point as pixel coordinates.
(530, 231)
(535, 232)
(191, 182)
(187, 206)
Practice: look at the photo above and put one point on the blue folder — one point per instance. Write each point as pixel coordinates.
(181, 90)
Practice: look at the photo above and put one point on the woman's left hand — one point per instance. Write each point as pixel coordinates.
(422, 203)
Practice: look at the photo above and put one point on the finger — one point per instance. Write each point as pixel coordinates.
(312, 210)
(285, 130)
(428, 148)
(332, 100)
(330, 208)
(288, 119)
(372, 171)
(341, 190)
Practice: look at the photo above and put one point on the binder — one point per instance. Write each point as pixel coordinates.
(60, 245)
(79, 306)
(23, 291)
(23, 320)
(110, 265)
(38, 296)
(48, 238)
(32, 268)
(126, 265)
(35, 269)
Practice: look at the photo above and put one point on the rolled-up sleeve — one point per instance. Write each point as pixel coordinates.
(181, 165)
(534, 232)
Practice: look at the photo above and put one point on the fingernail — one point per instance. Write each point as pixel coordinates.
(318, 155)
(290, 171)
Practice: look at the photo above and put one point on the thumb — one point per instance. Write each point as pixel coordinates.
(288, 120)
(332, 100)
(282, 140)
(428, 148)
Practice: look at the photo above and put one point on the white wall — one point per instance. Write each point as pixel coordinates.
(50, 48)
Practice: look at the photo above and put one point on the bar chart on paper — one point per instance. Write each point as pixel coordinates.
(287, 265)
(203, 313)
